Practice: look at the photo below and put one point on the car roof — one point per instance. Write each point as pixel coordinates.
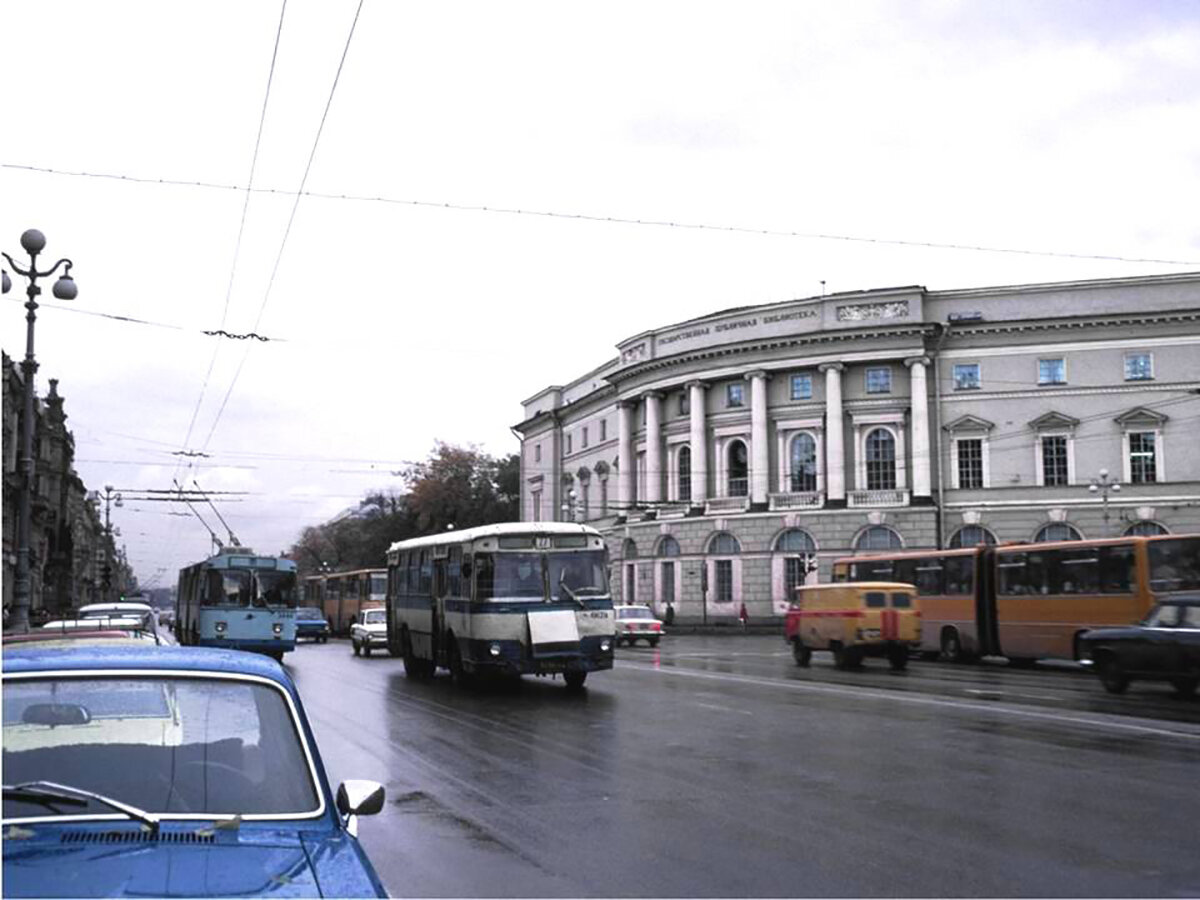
(99, 656)
(131, 606)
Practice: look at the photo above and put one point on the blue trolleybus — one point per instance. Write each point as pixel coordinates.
(510, 599)
(238, 600)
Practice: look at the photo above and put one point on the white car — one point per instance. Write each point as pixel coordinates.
(369, 631)
(143, 611)
(635, 622)
(135, 626)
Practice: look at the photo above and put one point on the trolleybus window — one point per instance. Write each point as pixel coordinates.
(228, 587)
(1174, 564)
(278, 588)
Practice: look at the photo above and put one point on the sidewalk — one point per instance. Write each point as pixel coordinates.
(730, 628)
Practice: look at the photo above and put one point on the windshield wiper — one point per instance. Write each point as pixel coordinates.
(562, 583)
(48, 793)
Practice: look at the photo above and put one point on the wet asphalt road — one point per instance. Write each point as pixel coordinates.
(714, 767)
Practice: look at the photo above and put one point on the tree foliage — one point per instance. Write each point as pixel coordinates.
(459, 486)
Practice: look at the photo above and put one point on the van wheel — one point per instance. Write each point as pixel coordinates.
(574, 680)
(845, 657)
(951, 646)
(801, 654)
(898, 658)
(1112, 676)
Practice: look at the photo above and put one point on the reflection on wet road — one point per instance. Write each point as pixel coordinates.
(713, 766)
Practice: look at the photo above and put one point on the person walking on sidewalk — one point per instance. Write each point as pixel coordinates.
(743, 617)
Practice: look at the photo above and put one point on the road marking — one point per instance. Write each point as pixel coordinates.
(728, 709)
(901, 697)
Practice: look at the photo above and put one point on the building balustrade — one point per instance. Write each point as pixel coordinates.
(797, 500)
(877, 498)
(727, 505)
(674, 510)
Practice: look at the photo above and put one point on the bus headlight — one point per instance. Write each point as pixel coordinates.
(494, 649)
(277, 628)
(220, 626)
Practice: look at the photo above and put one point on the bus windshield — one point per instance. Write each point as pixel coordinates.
(1174, 564)
(277, 588)
(527, 576)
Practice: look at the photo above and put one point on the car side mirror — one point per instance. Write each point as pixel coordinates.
(358, 797)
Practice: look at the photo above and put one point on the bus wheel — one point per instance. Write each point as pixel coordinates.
(1185, 687)
(801, 654)
(898, 658)
(843, 657)
(951, 646)
(574, 680)
(457, 671)
(1112, 676)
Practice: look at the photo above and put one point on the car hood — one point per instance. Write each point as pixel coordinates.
(58, 861)
(1116, 631)
(375, 627)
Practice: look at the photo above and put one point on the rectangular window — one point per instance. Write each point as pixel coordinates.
(970, 463)
(537, 452)
(685, 404)
(966, 377)
(604, 429)
(568, 444)
(585, 436)
(879, 381)
(724, 569)
(1142, 469)
(1054, 460)
(1052, 371)
(535, 500)
(734, 395)
(801, 387)
(1139, 367)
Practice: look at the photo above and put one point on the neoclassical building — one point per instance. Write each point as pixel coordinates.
(732, 456)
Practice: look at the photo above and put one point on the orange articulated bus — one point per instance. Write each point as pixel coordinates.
(1032, 601)
(341, 595)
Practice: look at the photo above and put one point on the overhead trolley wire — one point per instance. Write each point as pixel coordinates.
(618, 219)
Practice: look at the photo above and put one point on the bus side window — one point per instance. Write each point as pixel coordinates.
(928, 578)
(1010, 572)
(1116, 569)
(1079, 571)
(484, 575)
(876, 600)
(1038, 568)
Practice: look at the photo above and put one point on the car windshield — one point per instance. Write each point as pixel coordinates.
(200, 746)
(636, 612)
(310, 612)
(374, 617)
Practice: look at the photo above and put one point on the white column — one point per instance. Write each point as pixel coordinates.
(626, 462)
(760, 455)
(654, 454)
(835, 451)
(920, 428)
(699, 442)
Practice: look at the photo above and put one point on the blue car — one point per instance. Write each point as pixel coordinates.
(311, 623)
(136, 770)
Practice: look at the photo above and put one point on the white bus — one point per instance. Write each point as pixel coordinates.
(518, 598)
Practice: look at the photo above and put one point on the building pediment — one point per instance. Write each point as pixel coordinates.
(1054, 421)
(1141, 416)
(969, 423)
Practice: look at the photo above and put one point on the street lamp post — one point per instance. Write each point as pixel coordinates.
(570, 506)
(33, 242)
(1102, 486)
(112, 498)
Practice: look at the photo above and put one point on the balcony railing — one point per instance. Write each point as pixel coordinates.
(674, 509)
(727, 505)
(798, 500)
(877, 498)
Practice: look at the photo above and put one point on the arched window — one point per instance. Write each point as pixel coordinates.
(629, 549)
(724, 544)
(630, 553)
(684, 468)
(1145, 528)
(804, 463)
(668, 546)
(1057, 531)
(739, 469)
(795, 540)
(878, 537)
(970, 536)
(881, 460)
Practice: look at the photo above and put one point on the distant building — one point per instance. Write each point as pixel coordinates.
(728, 455)
(68, 544)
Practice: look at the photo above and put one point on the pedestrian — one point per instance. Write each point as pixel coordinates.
(669, 616)
(743, 617)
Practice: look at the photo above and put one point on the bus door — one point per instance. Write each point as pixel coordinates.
(985, 602)
(437, 606)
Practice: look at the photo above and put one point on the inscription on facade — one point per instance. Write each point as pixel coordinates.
(864, 311)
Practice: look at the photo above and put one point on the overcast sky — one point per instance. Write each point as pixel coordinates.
(1066, 128)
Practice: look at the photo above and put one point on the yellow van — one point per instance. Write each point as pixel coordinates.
(866, 618)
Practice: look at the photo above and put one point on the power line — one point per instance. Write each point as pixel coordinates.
(291, 219)
(620, 220)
